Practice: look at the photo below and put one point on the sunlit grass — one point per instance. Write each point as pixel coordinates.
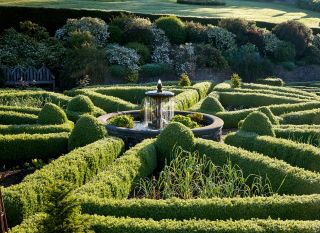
(259, 11)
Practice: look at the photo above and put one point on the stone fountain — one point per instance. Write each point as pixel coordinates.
(158, 111)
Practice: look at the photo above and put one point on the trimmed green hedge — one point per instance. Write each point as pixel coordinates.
(296, 154)
(136, 225)
(306, 207)
(17, 118)
(78, 167)
(203, 88)
(287, 108)
(118, 179)
(272, 81)
(279, 89)
(186, 99)
(28, 110)
(107, 103)
(22, 147)
(308, 117)
(249, 100)
(209, 105)
(301, 133)
(52, 114)
(36, 129)
(258, 122)
(296, 180)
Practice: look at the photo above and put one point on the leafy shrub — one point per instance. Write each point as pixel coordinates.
(221, 38)
(312, 55)
(119, 71)
(196, 32)
(118, 180)
(197, 117)
(116, 34)
(316, 41)
(256, 36)
(247, 62)
(271, 42)
(24, 147)
(285, 51)
(208, 180)
(296, 33)
(272, 81)
(77, 167)
(185, 60)
(184, 80)
(161, 47)
(208, 56)
(173, 27)
(235, 81)
(154, 69)
(96, 27)
(238, 27)
(80, 103)
(19, 48)
(52, 114)
(276, 207)
(34, 30)
(119, 55)
(126, 121)
(296, 154)
(185, 120)
(121, 21)
(87, 130)
(79, 39)
(16, 118)
(83, 63)
(139, 30)
(142, 51)
(173, 135)
(259, 123)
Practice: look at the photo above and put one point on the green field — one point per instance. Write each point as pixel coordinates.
(258, 11)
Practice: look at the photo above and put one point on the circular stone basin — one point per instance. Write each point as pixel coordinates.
(212, 129)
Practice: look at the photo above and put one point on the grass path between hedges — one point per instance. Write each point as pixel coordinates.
(259, 11)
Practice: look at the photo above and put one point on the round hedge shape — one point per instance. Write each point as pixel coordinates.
(126, 121)
(52, 114)
(173, 135)
(80, 103)
(211, 105)
(259, 123)
(269, 114)
(173, 27)
(87, 130)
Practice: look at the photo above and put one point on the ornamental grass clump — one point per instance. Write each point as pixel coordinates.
(190, 175)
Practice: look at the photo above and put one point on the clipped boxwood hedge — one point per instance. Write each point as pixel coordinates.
(78, 167)
(259, 123)
(36, 129)
(296, 180)
(308, 117)
(20, 109)
(305, 207)
(272, 81)
(22, 147)
(203, 88)
(296, 154)
(119, 178)
(301, 133)
(186, 99)
(34, 224)
(52, 114)
(287, 108)
(16, 118)
(102, 224)
(107, 103)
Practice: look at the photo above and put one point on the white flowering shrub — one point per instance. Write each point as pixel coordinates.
(161, 47)
(97, 28)
(316, 41)
(271, 42)
(185, 59)
(119, 55)
(220, 38)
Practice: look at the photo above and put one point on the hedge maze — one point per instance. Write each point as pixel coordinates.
(276, 136)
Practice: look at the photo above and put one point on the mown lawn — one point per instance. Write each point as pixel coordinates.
(259, 11)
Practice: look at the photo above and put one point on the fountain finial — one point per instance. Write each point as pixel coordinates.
(159, 86)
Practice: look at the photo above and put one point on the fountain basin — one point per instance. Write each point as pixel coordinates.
(212, 128)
